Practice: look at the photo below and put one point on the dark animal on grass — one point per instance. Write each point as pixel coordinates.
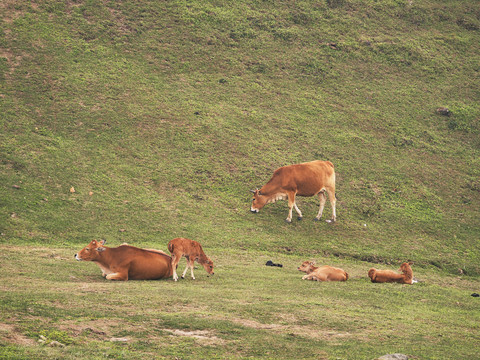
(322, 273)
(389, 276)
(192, 251)
(305, 179)
(127, 262)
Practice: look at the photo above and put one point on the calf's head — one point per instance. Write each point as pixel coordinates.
(258, 201)
(405, 267)
(91, 252)
(208, 266)
(307, 266)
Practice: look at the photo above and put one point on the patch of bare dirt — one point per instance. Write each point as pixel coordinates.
(96, 328)
(203, 336)
(10, 334)
(297, 330)
(10, 12)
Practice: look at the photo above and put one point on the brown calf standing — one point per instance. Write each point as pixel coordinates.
(192, 251)
(384, 276)
(322, 273)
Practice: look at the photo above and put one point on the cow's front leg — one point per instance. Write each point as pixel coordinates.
(189, 265)
(191, 271)
(291, 204)
(289, 217)
(122, 276)
(300, 217)
(175, 260)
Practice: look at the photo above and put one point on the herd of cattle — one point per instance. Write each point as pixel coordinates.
(307, 179)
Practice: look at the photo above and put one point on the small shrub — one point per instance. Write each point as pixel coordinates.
(56, 335)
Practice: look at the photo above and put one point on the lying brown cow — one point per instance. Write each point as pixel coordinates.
(306, 179)
(127, 262)
(192, 251)
(389, 276)
(322, 273)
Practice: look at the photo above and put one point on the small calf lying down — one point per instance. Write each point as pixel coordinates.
(322, 273)
(127, 262)
(384, 276)
(192, 251)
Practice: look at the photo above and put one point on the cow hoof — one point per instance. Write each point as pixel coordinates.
(316, 219)
(299, 218)
(288, 221)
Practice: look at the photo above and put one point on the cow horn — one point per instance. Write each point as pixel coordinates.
(253, 191)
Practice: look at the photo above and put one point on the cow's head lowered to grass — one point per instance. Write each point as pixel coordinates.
(258, 201)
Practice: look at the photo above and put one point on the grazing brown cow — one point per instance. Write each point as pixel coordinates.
(384, 276)
(322, 273)
(306, 179)
(127, 262)
(192, 251)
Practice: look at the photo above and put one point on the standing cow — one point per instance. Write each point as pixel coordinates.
(306, 179)
(192, 250)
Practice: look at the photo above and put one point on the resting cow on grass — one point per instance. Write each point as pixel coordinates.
(192, 251)
(127, 262)
(389, 276)
(306, 179)
(322, 273)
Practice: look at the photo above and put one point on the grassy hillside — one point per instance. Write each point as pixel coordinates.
(171, 112)
(162, 115)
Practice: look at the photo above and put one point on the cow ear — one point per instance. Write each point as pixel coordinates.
(312, 262)
(100, 249)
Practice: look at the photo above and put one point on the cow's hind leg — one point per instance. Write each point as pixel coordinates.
(188, 264)
(175, 260)
(333, 201)
(323, 199)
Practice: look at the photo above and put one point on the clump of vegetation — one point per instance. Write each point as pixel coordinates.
(60, 337)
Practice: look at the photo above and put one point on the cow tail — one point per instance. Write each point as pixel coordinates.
(170, 247)
(346, 276)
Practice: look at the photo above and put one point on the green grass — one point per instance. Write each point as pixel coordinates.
(163, 115)
(245, 310)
